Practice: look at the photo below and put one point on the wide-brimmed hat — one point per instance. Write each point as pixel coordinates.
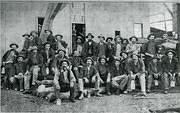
(90, 34)
(133, 37)
(126, 40)
(59, 35)
(101, 36)
(48, 30)
(13, 44)
(34, 48)
(61, 50)
(26, 34)
(151, 35)
(33, 31)
(47, 43)
(117, 36)
(20, 55)
(89, 58)
(109, 38)
(172, 51)
(79, 37)
(123, 52)
(64, 60)
(102, 57)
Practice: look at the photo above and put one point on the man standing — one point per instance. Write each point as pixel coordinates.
(51, 39)
(118, 47)
(149, 49)
(36, 40)
(170, 68)
(48, 57)
(34, 64)
(8, 61)
(101, 48)
(89, 47)
(64, 80)
(61, 44)
(78, 46)
(133, 47)
(110, 49)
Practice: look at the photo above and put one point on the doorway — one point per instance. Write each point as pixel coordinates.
(78, 30)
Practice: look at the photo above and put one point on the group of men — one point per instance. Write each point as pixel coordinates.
(112, 63)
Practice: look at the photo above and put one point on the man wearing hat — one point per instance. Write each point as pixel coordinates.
(118, 47)
(170, 68)
(154, 72)
(34, 64)
(8, 61)
(110, 49)
(60, 55)
(136, 68)
(119, 77)
(125, 42)
(89, 47)
(51, 39)
(149, 49)
(64, 80)
(48, 55)
(78, 45)
(20, 69)
(104, 73)
(90, 78)
(61, 44)
(101, 48)
(36, 40)
(133, 47)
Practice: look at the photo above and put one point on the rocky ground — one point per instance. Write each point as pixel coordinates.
(156, 102)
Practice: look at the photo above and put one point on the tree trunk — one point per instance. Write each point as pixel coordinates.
(51, 12)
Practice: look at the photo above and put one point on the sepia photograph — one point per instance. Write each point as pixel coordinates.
(90, 56)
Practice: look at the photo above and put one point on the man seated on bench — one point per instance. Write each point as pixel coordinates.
(90, 77)
(170, 68)
(64, 80)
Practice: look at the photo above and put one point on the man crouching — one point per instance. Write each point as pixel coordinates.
(64, 80)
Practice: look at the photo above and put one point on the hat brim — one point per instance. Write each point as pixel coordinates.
(109, 38)
(58, 35)
(64, 60)
(90, 35)
(26, 35)
(88, 58)
(102, 58)
(61, 50)
(174, 53)
(132, 38)
(13, 44)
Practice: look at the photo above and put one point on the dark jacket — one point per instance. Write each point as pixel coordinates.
(53, 42)
(91, 73)
(20, 67)
(110, 50)
(154, 68)
(57, 60)
(114, 72)
(38, 60)
(103, 71)
(89, 50)
(76, 61)
(5, 56)
(172, 67)
(51, 55)
(138, 68)
(34, 42)
(101, 50)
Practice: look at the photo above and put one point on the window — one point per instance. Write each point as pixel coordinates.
(138, 30)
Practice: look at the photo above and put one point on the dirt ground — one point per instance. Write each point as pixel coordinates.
(156, 102)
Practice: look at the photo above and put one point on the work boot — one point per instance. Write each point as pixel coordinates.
(72, 96)
(118, 92)
(108, 89)
(81, 95)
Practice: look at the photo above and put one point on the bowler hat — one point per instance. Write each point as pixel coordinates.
(102, 57)
(61, 50)
(151, 35)
(26, 34)
(89, 58)
(109, 38)
(101, 36)
(13, 44)
(48, 30)
(79, 37)
(90, 34)
(133, 37)
(172, 51)
(34, 31)
(64, 60)
(59, 35)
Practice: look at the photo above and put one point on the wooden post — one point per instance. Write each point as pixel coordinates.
(176, 18)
